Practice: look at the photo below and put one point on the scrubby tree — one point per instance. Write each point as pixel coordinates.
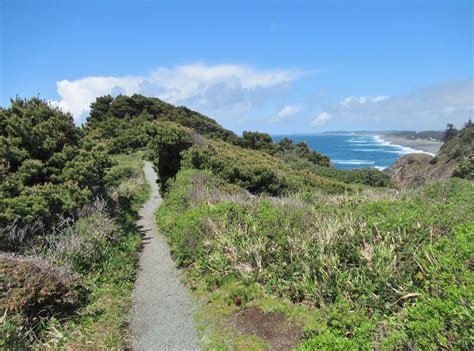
(449, 133)
(258, 141)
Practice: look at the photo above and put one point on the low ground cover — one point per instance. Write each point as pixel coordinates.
(377, 266)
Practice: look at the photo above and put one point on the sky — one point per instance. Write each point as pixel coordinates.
(280, 67)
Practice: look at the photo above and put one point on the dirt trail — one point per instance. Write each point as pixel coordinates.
(162, 318)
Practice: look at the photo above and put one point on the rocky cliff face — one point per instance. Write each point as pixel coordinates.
(456, 158)
(414, 170)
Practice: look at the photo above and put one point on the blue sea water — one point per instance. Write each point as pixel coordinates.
(348, 151)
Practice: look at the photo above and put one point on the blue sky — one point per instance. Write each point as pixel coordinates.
(274, 66)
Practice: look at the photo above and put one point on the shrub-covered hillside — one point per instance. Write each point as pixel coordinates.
(266, 226)
(122, 122)
(269, 168)
(68, 245)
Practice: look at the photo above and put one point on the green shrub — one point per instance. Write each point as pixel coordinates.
(32, 129)
(258, 141)
(46, 171)
(88, 169)
(168, 141)
(300, 153)
(466, 169)
(42, 200)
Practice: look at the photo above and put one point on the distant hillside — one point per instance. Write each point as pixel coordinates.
(455, 159)
(437, 135)
(121, 122)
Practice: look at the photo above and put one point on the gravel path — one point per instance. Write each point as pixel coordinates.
(162, 318)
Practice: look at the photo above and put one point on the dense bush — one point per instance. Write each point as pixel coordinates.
(32, 129)
(249, 169)
(46, 171)
(258, 141)
(300, 152)
(363, 259)
(285, 149)
(168, 142)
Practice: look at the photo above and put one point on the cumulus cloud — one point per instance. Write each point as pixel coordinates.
(210, 88)
(77, 95)
(287, 112)
(428, 108)
(322, 119)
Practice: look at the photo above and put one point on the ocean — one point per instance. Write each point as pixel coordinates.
(348, 151)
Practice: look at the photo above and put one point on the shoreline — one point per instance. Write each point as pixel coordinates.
(425, 146)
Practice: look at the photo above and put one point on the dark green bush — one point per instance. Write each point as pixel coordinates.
(46, 171)
(168, 142)
(300, 153)
(32, 129)
(258, 141)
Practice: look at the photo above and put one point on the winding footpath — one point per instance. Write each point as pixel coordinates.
(162, 318)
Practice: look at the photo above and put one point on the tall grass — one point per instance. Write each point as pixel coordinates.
(365, 254)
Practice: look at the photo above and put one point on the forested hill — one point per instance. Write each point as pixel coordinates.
(123, 121)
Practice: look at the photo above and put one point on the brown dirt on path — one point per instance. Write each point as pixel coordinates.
(278, 331)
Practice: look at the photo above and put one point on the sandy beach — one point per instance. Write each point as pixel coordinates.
(424, 145)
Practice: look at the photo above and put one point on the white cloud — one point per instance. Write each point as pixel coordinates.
(428, 108)
(322, 119)
(209, 88)
(287, 112)
(360, 100)
(76, 96)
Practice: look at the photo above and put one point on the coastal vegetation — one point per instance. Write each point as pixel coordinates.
(69, 247)
(348, 259)
(376, 268)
